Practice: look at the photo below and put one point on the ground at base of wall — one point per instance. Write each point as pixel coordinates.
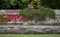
(29, 35)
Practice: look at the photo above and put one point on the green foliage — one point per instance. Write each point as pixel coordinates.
(13, 4)
(1, 17)
(4, 4)
(54, 4)
(26, 13)
(1, 20)
(17, 4)
(38, 14)
(48, 12)
(22, 4)
(33, 4)
(7, 18)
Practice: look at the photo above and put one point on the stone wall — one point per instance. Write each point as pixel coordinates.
(14, 13)
(30, 30)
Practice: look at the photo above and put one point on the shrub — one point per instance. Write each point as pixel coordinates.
(38, 14)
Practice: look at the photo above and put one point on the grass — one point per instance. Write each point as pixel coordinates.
(26, 25)
(22, 25)
(29, 35)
